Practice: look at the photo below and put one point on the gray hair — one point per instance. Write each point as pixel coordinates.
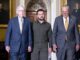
(20, 7)
(65, 6)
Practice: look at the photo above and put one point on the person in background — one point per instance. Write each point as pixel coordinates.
(76, 13)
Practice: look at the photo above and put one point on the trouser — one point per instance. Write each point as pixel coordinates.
(39, 54)
(66, 53)
(20, 55)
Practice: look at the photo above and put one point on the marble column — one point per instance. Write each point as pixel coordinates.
(55, 11)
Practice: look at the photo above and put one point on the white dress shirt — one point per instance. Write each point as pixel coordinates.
(20, 20)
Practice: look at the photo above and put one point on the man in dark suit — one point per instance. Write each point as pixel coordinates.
(41, 36)
(65, 36)
(18, 37)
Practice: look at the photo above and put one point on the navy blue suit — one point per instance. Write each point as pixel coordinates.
(66, 48)
(18, 42)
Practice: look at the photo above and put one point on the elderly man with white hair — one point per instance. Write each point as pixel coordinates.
(18, 37)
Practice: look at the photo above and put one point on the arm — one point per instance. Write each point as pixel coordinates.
(30, 38)
(49, 36)
(30, 35)
(76, 33)
(54, 33)
(55, 28)
(8, 36)
(50, 39)
(77, 36)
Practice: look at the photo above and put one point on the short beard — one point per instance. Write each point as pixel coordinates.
(41, 19)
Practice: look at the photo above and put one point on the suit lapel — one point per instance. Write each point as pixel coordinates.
(23, 24)
(62, 23)
(17, 25)
(70, 19)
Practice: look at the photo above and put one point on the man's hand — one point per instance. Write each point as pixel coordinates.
(54, 47)
(7, 48)
(49, 50)
(77, 47)
(29, 49)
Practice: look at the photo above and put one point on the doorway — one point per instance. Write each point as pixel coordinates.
(33, 6)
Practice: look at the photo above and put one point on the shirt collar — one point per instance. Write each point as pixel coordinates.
(19, 18)
(65, 18)
(41, 22)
